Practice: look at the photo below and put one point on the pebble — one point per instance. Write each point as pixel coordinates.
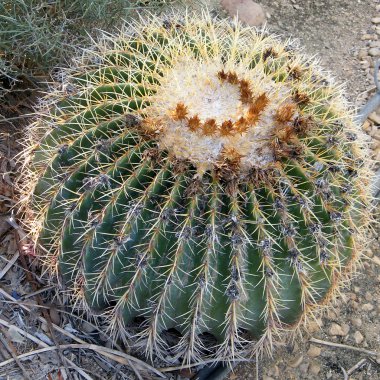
(374, 52)
(315, 368)
(367, 125)
(374, 117)
(365, 64)
(274, 371)
(368, 296)
(248, 11)
(336, 329)
(357, 322)
(296, 362)
(345, 328)
(366, 37)
(362, 54)
(376, 20)
(314, 351)
(315, 326)
(376, 260)
(358, 337)
(367, 307)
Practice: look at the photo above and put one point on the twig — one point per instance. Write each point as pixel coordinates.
(357, 366)
(25, 305)
(344, 346)
(21, 236)
(344, 373)
(29, 295)
(4, 353)
(42, 319)
(209, 361)
(118, 356)
(11, 349)
(257, 365)
(24, 333)
(10, 264)
(44, 345)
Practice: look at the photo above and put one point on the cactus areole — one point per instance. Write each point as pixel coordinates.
(202, 176)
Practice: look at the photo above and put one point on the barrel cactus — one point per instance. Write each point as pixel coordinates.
(194, 174)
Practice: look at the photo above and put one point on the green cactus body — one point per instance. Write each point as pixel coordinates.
(201, 176)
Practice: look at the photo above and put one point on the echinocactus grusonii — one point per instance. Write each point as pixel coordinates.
(199, 175)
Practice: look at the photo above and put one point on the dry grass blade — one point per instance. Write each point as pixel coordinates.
(117, 356)
(11, 349)
(9, 265)
(357, 366)
(344, 346)
(44, 345)
(62, 331)
(24, 333)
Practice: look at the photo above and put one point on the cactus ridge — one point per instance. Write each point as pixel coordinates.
(201, 176)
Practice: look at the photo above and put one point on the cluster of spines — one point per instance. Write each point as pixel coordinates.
(98, 174)
(210, 127)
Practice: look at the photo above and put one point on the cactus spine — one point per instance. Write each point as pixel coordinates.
(198, 175)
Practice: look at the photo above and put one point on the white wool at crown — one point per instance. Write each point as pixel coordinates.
(197, 85)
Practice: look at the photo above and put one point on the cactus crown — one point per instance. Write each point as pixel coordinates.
(198, 175)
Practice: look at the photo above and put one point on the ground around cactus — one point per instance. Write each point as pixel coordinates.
(34, 318)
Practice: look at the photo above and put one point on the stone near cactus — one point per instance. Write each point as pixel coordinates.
(197, 175)
(247, 11)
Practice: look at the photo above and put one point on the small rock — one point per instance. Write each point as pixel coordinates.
(368, 296)
(315, 368)
(376, 260)
(366, 126)
(364, 64)
(357, 322)
(358, 337)
(366, 37)
(314, 351)
(248, 11)
(362, 54)
(376, 20)
(296, 362)
(374, 117)
(336, 329)
(332, 314)
(367, 307)
(315, 326)
(274, 371)
(345, 328)
(374, 52)
(265, 377)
